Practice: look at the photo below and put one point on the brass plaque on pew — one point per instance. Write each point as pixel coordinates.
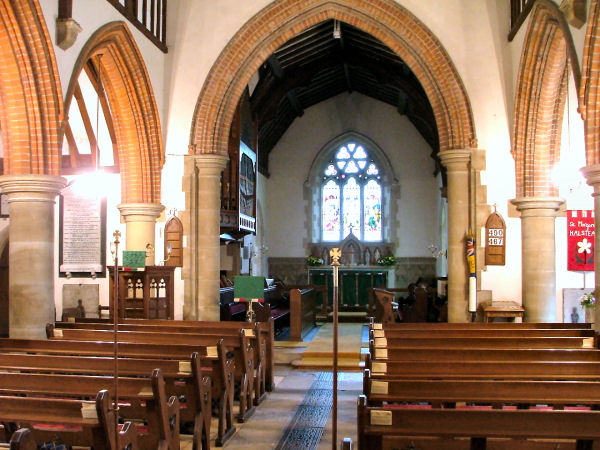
(380, 342)
(587, 343)
(379, 417)
(378, 367)
(378, 326)
(381, 353)
(379, 387)
(378, 333)
(71, 319)
(211, 351)
(249, 332)
(58, 333)
(185, 367)
(88, 411)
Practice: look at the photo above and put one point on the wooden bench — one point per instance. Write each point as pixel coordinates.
(239, 345)
(73, 422)
(258, 335)
(185, 373)
(21, 440)
(266, 329)
(146, 400)
(303, 312)
(496, 393)
(480, 332)
(476, 325)
(385, 427)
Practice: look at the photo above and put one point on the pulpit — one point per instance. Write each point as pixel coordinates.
(144, 294)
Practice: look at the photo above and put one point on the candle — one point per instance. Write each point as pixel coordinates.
(472, 294)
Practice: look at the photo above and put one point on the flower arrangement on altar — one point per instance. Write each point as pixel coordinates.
(386, 261)
(588, 300)
(314, 261)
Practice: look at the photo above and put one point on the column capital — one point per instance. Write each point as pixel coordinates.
(31, 188)
(455, 159)
(592, 177)
(210, 163)
(538, 206)
(140, 212)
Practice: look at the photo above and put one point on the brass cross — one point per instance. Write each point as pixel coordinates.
(335, 255)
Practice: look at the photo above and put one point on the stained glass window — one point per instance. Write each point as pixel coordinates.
(351, 196)
(331, 211)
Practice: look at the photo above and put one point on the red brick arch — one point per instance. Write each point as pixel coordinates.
(30, 92)
(541, 94)
(283, 19)
(133, 107)
(589, 93)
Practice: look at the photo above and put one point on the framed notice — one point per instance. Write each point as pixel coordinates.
(82, 235)
(580, 240)
(495, 240)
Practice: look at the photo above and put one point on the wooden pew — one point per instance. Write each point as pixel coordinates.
(65, 420)
(139, 360)
(498, 393)
(146, 398)
(383, 427)
(21, 440)
(266, 329)
(500, 370)
(395, 333)
(303, 312)
(258, 336)
(240, 346)
(477, 325)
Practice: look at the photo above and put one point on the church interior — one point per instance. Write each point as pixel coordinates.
(258, 222)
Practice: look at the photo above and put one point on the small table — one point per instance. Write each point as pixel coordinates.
(508, 309)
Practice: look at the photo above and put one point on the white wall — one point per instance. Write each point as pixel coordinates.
(291, 158)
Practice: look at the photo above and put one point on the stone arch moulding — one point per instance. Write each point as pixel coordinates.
(386, 20)
(548, 49)
(130, 95)
(30, 92)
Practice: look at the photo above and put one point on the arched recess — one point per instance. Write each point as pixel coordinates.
(30, 93)
(124, 76)
(541, 94)
(589, 93)
(386, 20)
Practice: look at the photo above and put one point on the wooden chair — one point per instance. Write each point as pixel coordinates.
(385, 306)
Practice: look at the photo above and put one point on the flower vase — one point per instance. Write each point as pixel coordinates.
(590, 315)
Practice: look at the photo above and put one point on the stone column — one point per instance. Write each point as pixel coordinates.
(457, 170)
(592, 175)
(207, 231)
(140, 222)
(538, 257)
(31, 200)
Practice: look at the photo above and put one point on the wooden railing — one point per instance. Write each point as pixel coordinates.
(148, 16)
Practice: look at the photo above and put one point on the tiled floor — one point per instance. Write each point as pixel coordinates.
(266, 427)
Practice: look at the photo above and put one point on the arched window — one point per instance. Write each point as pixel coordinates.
(351, 196)
(351, 185)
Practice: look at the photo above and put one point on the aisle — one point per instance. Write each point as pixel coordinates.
(318, 353)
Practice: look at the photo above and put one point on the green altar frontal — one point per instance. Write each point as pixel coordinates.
(354, 284)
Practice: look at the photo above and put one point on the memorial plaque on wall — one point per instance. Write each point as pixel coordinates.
(82, 234)
(495, 240)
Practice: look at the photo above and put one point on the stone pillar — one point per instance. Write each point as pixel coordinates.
(140, 220)
(31, 255)
(457, 170)
(207, 231)
(538, 257)
(592, 175)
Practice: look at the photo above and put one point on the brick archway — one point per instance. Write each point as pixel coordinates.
(386, 20)
(30, 92)
(133, 106)
(589, 93)
(541, 94)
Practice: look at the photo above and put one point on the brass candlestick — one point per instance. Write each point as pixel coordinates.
(335, 255)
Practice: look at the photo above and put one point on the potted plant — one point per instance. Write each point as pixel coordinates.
(588, 302)
(386, 261)
(314, 261)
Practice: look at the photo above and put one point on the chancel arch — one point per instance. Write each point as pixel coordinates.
(250, 47)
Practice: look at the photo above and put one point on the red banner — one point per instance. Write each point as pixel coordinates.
(580, 240)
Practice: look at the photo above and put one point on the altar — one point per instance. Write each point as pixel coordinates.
(354, 282)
